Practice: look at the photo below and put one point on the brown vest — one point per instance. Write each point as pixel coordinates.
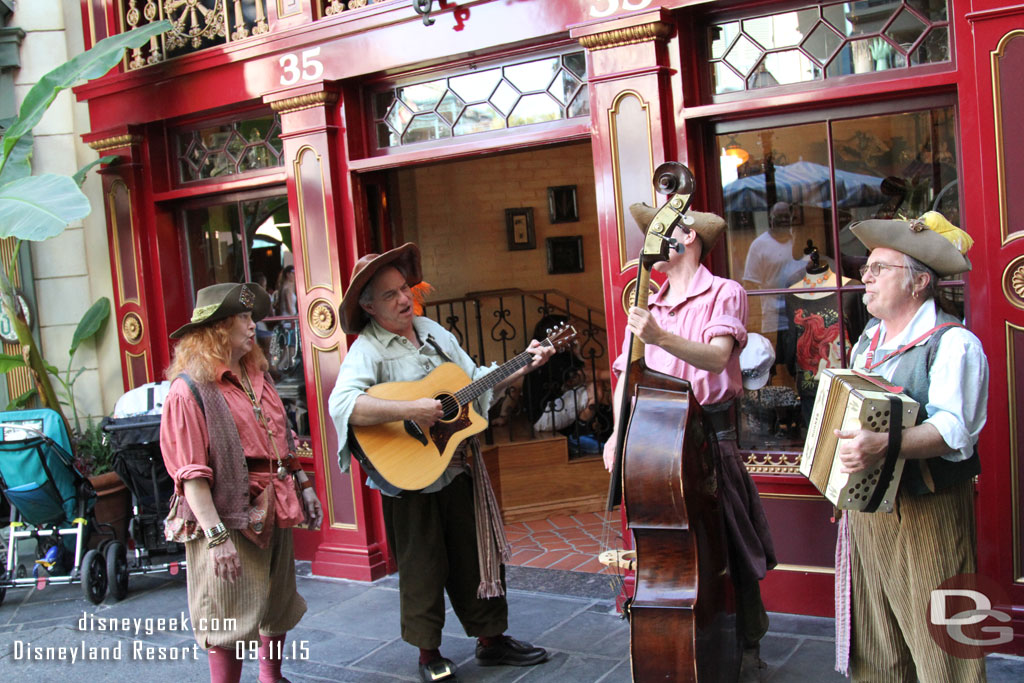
(230, 486)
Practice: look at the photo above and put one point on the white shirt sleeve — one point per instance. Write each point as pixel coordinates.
(958, 392)
(357, 374)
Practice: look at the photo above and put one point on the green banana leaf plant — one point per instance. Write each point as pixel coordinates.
(39, 207)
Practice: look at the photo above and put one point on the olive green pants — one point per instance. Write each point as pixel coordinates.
(433, 539)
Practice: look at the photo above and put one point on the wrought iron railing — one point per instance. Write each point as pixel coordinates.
(569, 396)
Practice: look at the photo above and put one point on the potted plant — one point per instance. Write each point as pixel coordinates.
(94, 458)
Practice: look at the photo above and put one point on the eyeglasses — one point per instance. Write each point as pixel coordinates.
(876, 268)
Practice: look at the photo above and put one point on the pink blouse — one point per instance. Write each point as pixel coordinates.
(184, 442)
(712, 307)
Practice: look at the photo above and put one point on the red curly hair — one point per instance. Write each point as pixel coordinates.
(204, 349)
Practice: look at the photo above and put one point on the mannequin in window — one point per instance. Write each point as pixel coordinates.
(815, 325)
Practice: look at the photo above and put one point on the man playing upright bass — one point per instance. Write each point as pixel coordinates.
(694, 329)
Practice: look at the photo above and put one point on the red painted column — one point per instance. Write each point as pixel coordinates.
(142, 338)
(351, 543)
(627, 71)
(992, 50)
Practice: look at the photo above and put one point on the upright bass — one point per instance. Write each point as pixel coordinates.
(682, 614)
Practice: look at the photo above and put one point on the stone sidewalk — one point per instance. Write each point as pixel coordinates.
(350, 633)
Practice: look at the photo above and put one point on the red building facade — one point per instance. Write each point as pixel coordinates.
(267, 134)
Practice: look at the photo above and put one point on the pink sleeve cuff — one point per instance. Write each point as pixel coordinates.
(191, 472)
(725, 325)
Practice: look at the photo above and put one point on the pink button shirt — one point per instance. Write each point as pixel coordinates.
(185, 444)
(712, 307)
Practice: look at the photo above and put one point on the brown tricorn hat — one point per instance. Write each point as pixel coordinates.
(218, 302)
(406, 257)
(709, 227)
(931, 239)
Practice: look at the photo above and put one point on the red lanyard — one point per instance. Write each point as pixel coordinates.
(868, 365)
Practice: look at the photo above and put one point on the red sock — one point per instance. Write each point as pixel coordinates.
(427, 656)
(488, 641)
(224, 668)
(270, 658)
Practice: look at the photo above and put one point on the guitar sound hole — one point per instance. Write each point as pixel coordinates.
(450, 406)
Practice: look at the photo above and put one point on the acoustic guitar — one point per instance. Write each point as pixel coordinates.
(400, 451)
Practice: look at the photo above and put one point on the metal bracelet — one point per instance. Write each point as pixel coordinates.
(216, 530)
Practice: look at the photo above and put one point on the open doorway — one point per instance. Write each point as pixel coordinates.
(510, 245)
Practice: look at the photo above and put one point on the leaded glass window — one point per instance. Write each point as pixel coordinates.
(225, 149)
(826, 41)
(550, 88)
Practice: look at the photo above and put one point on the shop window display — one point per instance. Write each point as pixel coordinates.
(789, 195)
(250, 241)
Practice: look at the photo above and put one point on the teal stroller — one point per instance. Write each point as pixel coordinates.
(51, 503)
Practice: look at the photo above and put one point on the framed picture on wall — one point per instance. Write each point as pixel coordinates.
(519, 225)
(565, 254)
(562, 206)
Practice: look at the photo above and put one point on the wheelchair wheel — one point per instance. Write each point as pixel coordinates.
(117, 570)
(94, 577)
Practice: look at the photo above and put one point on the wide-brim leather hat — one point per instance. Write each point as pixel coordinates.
(218, 302)
(351, 315)
(709, 226)
(931, 239)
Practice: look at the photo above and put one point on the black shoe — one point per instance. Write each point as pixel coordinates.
(442, 669)
(510, 652)
(752, 667)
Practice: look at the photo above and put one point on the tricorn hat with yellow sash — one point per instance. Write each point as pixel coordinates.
(931, 239)
(218, 302)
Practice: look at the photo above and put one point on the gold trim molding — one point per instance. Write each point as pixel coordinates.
(1011, 413)
(1013, 282)
(322, 319)
(131, 328)
(656, 30)
(773, 463)
(997, 110)
(300, 102)
(116, 142)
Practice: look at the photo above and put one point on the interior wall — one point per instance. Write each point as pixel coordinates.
(456, 213)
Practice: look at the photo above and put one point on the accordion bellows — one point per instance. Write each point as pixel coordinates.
(849, 400)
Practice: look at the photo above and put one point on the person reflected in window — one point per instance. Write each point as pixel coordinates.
(565, 396)
(770, 265)
(286, 301)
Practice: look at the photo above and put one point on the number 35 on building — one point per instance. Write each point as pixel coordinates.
(303, 66)
(610, 7)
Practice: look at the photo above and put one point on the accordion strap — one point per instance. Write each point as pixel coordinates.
(891, 453)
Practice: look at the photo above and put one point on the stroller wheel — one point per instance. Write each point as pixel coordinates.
(94, 577)
(21, 572)
(117, 570)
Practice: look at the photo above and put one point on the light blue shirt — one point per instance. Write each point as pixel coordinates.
(379, 356)
(958, 392)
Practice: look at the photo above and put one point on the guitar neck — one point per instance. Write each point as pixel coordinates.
(492, 379)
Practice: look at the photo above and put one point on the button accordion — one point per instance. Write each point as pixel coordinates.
(847, 399)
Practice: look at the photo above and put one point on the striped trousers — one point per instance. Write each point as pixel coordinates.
(263, 601)
(897, 559)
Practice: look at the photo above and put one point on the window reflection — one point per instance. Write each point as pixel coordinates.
(250, 241)
(789, 195)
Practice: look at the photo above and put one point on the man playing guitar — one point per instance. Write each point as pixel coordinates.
(433, 532)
